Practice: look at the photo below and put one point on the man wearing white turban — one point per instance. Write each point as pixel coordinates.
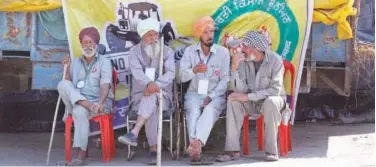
(258, 89)
(146, 82)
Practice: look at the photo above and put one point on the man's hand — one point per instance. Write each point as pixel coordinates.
(146, 92)
(94, 108)
(66, 60)
(101, 108)
(241, 97)
(207, 100)
(153, 87)
(200, 68)
(235, 59)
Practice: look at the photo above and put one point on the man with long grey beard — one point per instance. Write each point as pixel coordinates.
(146, 83)
(86, 89)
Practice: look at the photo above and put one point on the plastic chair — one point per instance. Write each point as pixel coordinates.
(106, 129)
(284, 130)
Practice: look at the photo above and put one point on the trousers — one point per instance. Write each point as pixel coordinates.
(200, 121)
(270, 108)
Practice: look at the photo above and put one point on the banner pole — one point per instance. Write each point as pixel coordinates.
(54, 121)
(160, 113)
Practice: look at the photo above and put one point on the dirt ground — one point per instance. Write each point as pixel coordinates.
(314, 144)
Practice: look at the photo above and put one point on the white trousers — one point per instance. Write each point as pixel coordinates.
(200, 122)
(69, 95)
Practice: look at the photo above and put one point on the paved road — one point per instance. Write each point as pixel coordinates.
(314, 144)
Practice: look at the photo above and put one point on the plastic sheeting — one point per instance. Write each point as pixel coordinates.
(28, 5)
(335, 11)
(53, 22)
(328, 4)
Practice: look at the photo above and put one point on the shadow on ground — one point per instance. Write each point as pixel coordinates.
(313, 144)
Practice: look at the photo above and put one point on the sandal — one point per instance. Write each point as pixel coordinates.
(202, 161)
(78, 162)
(271, 157)
(228, 157)
(196, 158)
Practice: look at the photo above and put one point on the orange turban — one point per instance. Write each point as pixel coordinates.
(201, 24)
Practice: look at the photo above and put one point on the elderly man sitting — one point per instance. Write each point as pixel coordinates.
(258, 89)
(206, 66)
(86, 89)
(146, 83)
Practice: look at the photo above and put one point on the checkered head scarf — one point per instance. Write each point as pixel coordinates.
(256, 40)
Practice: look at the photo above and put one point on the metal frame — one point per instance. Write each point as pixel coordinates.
(185, 130)
(131, 153)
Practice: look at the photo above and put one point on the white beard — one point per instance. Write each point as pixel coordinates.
(251, 57)
(89, 52)
(153, 50)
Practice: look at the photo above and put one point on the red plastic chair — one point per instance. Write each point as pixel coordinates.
(106, 129)
(284, 130)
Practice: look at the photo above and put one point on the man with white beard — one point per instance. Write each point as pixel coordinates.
(86, 89)
(146, 83)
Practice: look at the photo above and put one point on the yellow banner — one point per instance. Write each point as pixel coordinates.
(285, 22)
(28, 5)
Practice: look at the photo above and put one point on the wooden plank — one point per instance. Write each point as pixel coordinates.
(46, 75)
(332, 84)
(49, 53)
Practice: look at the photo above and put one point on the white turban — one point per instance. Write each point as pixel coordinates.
(147, 25)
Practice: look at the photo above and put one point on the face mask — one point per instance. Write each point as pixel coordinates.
(251, 57)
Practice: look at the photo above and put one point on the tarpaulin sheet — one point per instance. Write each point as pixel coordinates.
(28, 5)
(335, 11)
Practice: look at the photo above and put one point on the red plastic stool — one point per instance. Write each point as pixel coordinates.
(107, 136)
(284, 136)
(260, 132)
